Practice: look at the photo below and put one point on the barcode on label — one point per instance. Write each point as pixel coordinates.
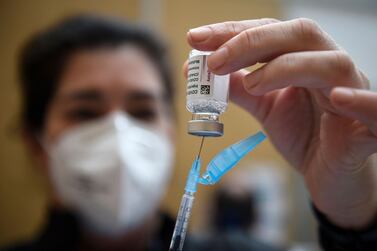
(205, 89)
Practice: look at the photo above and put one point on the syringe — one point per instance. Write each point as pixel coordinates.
(216, 169)
(181, 224)
(187, 202)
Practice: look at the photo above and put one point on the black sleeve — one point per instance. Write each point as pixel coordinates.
(334, 238)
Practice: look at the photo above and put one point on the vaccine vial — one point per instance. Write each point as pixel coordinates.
(206, 96)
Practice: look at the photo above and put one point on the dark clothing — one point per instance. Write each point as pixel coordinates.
(232, 241)
(62, 233)
(334, 238)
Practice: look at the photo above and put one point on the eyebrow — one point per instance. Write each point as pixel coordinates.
(142, 96)
(93, 95)
(82, 95)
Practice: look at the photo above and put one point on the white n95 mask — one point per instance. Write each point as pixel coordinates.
(112, 171)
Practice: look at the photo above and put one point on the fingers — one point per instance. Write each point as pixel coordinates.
(239, 96)
(210, 37)
(263, 43)
(321, 69)
(357, 104)
(185, 69)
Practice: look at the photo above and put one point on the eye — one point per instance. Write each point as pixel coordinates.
(144, 114)
(83, 114)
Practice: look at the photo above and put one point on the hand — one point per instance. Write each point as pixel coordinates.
(312, 101)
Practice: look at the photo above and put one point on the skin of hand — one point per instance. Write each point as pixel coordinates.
(312, 101)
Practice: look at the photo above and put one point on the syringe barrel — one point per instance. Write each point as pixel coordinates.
(181, 224)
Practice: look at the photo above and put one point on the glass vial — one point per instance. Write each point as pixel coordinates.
(207, 96)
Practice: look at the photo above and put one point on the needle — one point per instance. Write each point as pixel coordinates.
(201, 146)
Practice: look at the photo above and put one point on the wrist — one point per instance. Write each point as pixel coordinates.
(335, 238)
(348, 200)
(352, 218)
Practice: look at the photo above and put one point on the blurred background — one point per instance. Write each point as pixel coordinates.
(282, 213)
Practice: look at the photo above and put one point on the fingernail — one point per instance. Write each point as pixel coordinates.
(343, 96)
(252, 80)
(200, 34)
(218, 58)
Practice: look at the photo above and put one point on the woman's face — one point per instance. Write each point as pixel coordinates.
(98, 82)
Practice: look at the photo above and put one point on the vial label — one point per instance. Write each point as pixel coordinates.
(200, 79)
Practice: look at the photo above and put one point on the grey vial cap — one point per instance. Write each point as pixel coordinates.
(205, 124)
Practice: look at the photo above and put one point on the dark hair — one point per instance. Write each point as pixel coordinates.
(44, 56)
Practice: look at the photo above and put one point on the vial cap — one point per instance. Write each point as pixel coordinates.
(207, 128)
